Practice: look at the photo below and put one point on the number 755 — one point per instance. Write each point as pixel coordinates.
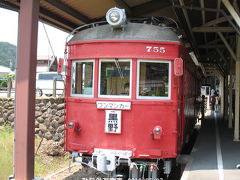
(155, 49)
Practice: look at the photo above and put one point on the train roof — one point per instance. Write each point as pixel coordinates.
(131, 31)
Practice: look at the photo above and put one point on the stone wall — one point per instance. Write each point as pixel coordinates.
(7, 111)
(49, 123)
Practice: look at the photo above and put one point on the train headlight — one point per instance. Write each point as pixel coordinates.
(116, 17)
(70, 125)
(157, 130)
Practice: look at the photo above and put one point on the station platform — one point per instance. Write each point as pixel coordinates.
(215, 154)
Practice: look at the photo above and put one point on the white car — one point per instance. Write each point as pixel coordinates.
(44, 83)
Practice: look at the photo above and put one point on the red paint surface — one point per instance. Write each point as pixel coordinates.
(121, 49)
(178, 66)
(139, 122)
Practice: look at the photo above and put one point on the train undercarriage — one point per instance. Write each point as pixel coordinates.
(119, 167)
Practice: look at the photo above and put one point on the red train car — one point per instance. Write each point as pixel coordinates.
(130, 96)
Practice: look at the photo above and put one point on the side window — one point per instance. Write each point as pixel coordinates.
(82, 78)
(153, 79)
(115, 78)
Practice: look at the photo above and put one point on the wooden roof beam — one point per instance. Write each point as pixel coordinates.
(220, 54)
(213, 46)
(67, 9)
(213, 29)
(210, 10)
(9, 5)
(45, 12)
(124, 5)
(219, 40)
(185, 13)
(232, 11)
(65, 28)
(216, 21)
(236, 6)
(187, 18)
(227, 46)
(148, 7)
(57, 18)
(203, 18)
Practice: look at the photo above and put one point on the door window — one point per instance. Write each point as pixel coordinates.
(82, 78)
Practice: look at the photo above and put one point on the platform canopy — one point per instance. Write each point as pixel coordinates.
(210, 27)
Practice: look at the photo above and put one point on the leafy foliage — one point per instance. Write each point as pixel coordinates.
(4, 79)
(8, 55)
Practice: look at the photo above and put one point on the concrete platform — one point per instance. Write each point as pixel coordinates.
(215, 154)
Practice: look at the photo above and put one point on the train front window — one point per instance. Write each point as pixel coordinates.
(115, 75)
(82, 78)
(153, 79)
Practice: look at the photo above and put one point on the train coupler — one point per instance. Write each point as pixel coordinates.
(108, 160)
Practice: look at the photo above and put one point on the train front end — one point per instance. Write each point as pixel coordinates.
(122, 106)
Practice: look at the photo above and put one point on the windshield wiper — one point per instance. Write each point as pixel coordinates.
(118, 68)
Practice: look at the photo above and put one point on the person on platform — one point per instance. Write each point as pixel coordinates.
(202, 107)
(213, 101)
(218, 102)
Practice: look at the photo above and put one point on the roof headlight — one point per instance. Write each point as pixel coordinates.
(116, 17)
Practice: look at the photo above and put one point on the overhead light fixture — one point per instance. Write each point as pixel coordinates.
(194, 58)
(203, 69)
(116, 17)
(196, 62)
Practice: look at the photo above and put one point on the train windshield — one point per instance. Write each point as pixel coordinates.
(115, 78)
(82, 78)
(153, 79)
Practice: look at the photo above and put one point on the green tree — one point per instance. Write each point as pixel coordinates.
(8, 55)
(4, 79)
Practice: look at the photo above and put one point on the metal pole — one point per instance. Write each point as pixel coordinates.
(226, 98)
(222, 94)
(25, 90)
(237, 91)
(230, 120)
(54, 87)
(9, 87)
